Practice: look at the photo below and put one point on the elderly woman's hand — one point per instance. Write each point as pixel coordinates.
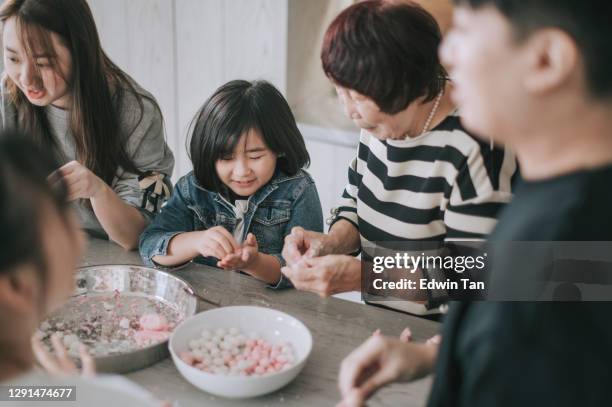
(381, 360)
(302, 243)
(325, 275)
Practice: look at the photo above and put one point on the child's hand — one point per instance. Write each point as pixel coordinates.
(216, 242)
(243, 258)
(60, 363)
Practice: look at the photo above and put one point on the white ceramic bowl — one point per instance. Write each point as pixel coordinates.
(272, 325)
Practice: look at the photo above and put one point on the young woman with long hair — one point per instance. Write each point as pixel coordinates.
(60, 88)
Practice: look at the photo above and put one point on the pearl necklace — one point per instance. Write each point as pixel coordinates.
(433, 112)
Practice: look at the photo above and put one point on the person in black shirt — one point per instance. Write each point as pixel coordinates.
(534, 75)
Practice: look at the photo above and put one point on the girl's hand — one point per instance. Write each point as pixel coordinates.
(60, 363)
(216, 242)
(243, 258)
(81, 182)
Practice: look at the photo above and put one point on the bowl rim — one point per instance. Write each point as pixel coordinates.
(298, 364)
(193, 309)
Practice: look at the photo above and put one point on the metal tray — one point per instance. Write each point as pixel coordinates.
(108, 295)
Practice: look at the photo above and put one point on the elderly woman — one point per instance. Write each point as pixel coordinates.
(522, 353)
(418, 175)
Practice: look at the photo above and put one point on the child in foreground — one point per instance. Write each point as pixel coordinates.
(37, 277)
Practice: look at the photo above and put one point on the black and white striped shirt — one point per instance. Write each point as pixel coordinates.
(442, 185)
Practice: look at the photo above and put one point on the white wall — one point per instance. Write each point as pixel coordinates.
(331, 151)
(181, 50)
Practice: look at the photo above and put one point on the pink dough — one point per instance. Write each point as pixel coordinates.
(188, 358)
(146, 336)
(232, 354)
(153, 322)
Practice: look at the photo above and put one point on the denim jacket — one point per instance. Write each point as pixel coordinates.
(284, 202)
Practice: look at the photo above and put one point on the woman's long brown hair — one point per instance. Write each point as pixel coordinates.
(96, 85)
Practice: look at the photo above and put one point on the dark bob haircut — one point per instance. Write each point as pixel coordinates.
(24, 188)
(385, 51)
(587, 22)
(233, 110)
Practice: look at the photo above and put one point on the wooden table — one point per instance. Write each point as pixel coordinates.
(337, 327)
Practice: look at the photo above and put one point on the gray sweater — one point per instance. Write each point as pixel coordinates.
(145, 146)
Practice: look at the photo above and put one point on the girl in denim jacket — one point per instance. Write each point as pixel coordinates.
(247, 189)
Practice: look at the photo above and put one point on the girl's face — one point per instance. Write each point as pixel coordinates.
(250, 166)
(35, 77)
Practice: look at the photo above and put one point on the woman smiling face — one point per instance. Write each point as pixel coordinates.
(41, 74)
